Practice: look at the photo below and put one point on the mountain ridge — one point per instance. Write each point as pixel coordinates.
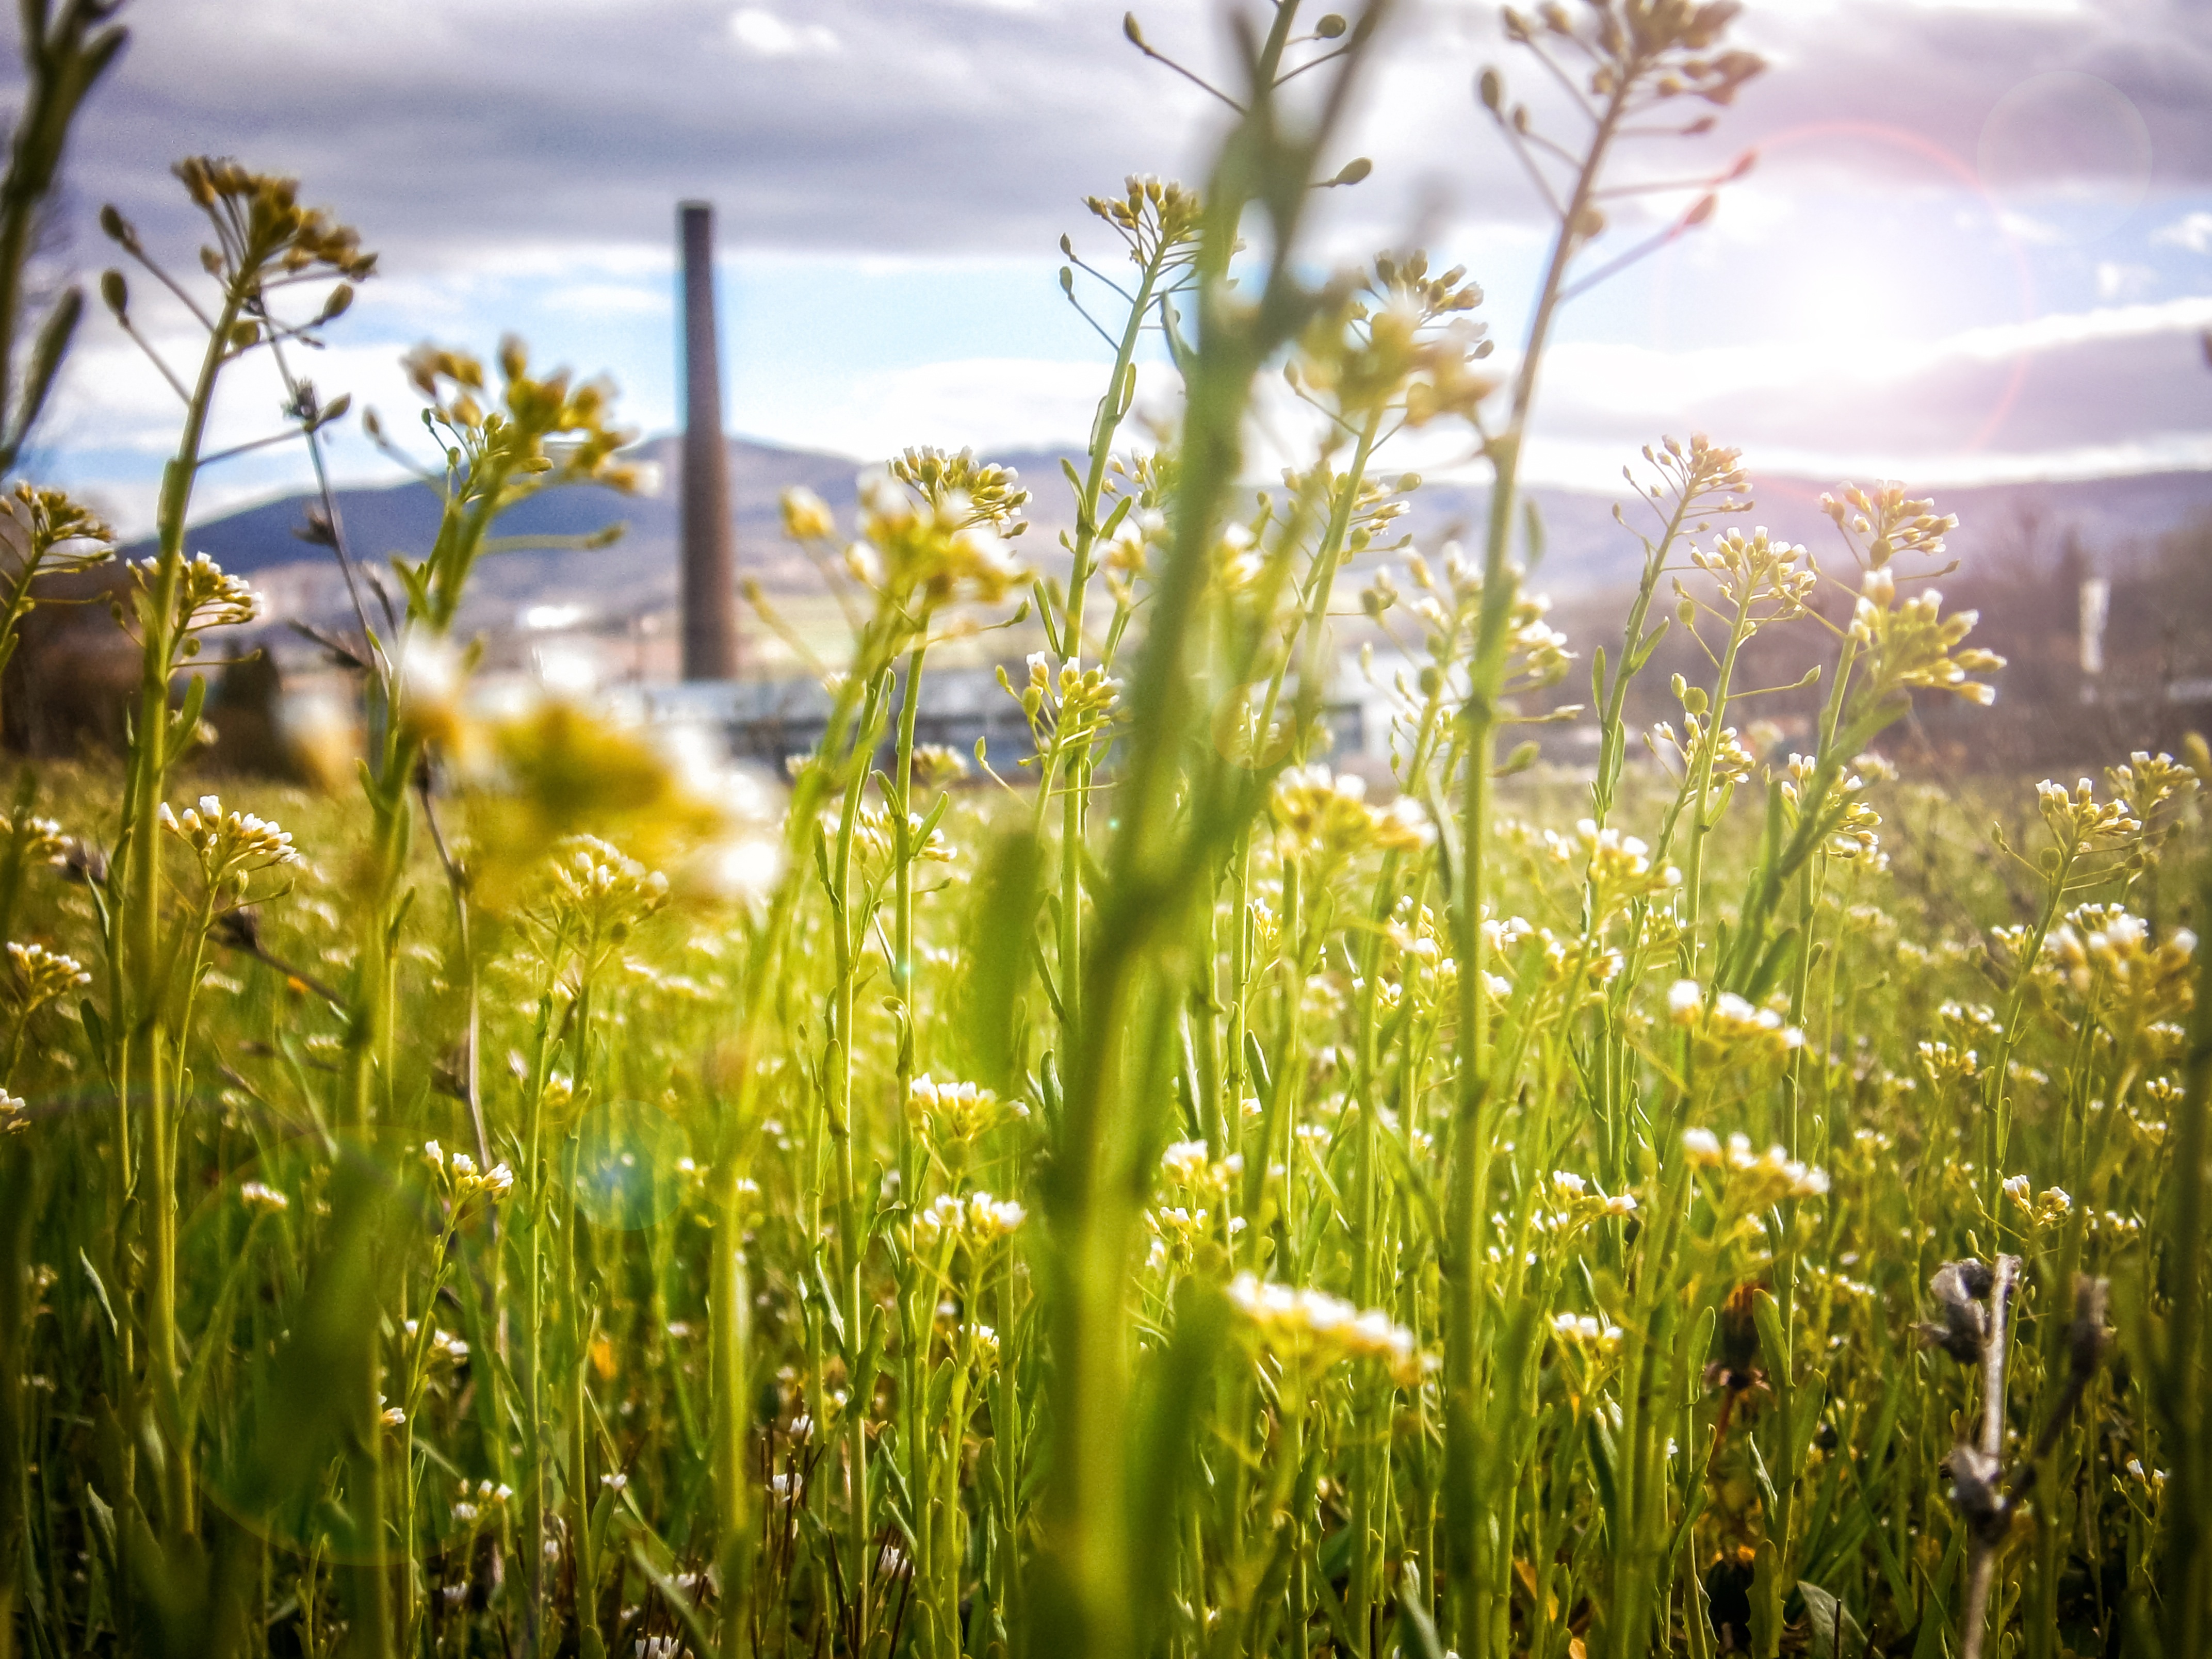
(1587, 550)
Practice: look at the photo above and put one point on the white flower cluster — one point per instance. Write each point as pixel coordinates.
(1190, 1165)
(2080, 821)
(957, 1111)
(229, 846)
(599, 882)
(1730, 1020)
(205, 596)
(474, 1502)
(1619, 867)
(2046, 1209)
(262, 1199)
(42, 975)
(1756, 1180)
(1577, 1195)
(444, 1345)
(460, 1170)
(976, 1220)
(1314, 1328)
(1582, 1332)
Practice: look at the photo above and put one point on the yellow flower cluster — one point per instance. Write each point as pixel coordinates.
(1914, 644)
(42, 838)
(1585, 1334)
(2102, 945)
(1618, 867)
(1581, 1199)
(1151, 214)
(1190, 1166)
(2149, 782)
(597, 883)
(58, 535)
(1855, 824)
(1945, 1062)
(1894, 524)
(874, 838)
(1326, 816)
(262, 1199)
(1080, 699)
(934, 551)
(988, 492)
(547, 431)
(261, 221)
(1732, 762)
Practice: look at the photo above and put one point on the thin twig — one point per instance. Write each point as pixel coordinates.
(1989, 1528)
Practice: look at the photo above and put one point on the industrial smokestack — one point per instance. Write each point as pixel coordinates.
(710, 604)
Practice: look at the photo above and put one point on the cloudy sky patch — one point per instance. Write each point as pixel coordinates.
(1959, 209)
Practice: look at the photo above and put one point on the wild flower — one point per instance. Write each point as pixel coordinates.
(1850, 824)
(936, 766)
(929, 552)
(1752, 570)
(956, 1112)
(1584, 1333)
(1314, 1330)
(1325, 816)
(263, 1199)
(986, 490)
(203, 598)
(2046, 1209)
(229, 846)
(977, 1220)
(1686, 755)
(41, 975)
(1913, 644)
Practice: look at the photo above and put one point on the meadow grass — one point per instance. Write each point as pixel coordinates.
(556, 1195)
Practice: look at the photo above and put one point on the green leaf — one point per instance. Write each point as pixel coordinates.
(1779, 950)
(1773, 1338)
(100, 1291)
(46, 362)
(1836, 1634)
(1163, 1452)
(1417, 1631)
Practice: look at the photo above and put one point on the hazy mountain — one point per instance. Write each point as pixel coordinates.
(1586, 550)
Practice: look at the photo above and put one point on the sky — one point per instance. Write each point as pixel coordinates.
(1976, 244)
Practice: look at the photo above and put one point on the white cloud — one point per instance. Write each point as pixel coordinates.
(2192, 231)
(989, 403)
(2117, 281)
(601, 299)
(764, 34)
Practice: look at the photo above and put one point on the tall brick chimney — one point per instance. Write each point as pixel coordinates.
(710, 602)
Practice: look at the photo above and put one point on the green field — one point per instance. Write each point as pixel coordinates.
(531, 1192)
